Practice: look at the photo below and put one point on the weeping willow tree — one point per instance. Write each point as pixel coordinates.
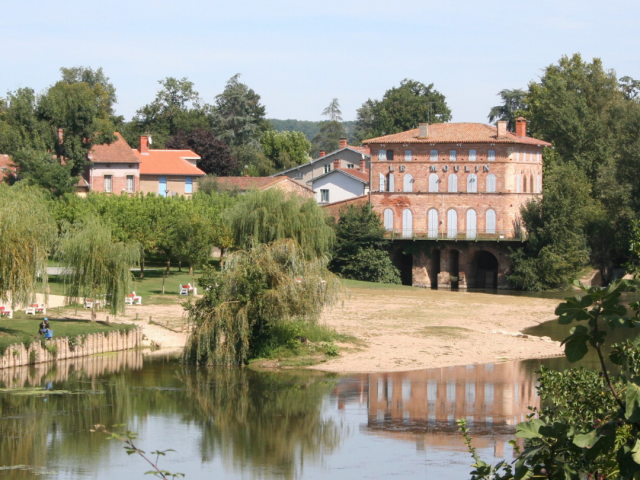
(27, 235)
(96, 267)
(258, 289)
(270, 215)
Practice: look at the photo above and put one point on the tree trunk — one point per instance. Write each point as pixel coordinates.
(191, 269)
(221, 256)
(168, 264)
(180, 265)
(142, 266)
(93, 310)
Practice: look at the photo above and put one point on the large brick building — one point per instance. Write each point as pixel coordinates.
(459, 187)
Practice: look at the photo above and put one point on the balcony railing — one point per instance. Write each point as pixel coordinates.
(458, 235)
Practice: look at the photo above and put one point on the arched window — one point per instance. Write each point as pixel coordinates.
(453, 155)
(491, 156)
(408, 183)
(517, 155)
(408, 155)
(539, 184)
(434, 155)
(472, 155)
(391, 183)
(518, 183)
(491, 221)
(491, 183)
(524, 156)
(382, 155)
(433, 182)
(531, 183)
(433, 223)
(524, 183)
(452, 224)
(382, 182)
(388, 219)
(407, 223)
(471, 224)
(472, 183)
(453, 183)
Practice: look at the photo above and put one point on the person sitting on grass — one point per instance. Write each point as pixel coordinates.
(45, 329)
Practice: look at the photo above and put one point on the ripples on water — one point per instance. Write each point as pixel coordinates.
(236, 423)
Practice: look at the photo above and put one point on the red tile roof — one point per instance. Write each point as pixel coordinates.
(355, 173)
(6, 166)
(260, 183)
(116, 152)
(168, 162)
(457, 133)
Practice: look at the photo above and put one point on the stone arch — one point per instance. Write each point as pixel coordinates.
(434, 268)
(454, 267)
(485, 266)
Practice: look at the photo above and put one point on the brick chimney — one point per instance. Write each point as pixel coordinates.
(423, 130)
(336, 163)
(144, 145)
(60, 136)
(521, 127)
(343, 142)
(363, 166)
(322, 153)
(502, 128)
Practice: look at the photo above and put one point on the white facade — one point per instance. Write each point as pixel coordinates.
(338, 186)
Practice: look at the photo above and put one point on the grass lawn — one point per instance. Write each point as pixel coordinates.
(373, 285)
(23, 328)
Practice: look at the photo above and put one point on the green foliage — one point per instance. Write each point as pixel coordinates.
(27, 238)
(41, 169)
(589, 424)
(96, 266)
(360, 249)
(257, 293)
(556, 248)
(512, 104)
(401, 108)
(285, 149)
(309, 128)
(270, 215)
(328, 137)
(216, 157)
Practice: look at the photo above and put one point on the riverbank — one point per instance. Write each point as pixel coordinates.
(406, 328)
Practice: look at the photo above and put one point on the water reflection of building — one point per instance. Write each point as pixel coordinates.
(424, 405)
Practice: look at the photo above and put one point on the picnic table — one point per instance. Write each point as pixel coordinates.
(36, 308)
(186, 289)
(133, 299)
(6, 312)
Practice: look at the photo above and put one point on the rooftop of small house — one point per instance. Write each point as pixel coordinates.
(118, 151)
(349, 172)
(461, 133)
(323, 155)
(166, 162)
(247, 183)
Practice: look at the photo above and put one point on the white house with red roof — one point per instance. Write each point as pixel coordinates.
(167, 172)
(340, 184)
(113, 168)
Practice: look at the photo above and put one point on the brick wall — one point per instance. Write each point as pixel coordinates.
(291, 186)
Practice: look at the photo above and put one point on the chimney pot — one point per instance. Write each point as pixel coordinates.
(60, 136)
(502, 129)
(336, 164)
(144, 145)
(521, 127)
(423, 130)
(322, 153)
(343, 143)
(363, 166)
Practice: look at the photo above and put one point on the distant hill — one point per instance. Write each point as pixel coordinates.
(310, 129)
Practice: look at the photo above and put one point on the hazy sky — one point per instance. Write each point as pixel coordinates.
(299, 55)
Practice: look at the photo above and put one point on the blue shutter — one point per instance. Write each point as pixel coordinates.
(188, 185)
(162, 186)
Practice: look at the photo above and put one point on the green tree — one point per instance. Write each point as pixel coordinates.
(331, 131)
(96, 266)
(216, 156)
(99, 83)
(402, 108)
(258, 290)
(556, 247)
(28, 236)
(270, 215)
(333, 111)
(285, 149)
(512, 103)
(360, 249)
(41, 169)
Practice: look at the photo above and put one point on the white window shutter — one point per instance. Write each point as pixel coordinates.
(408, 183)
(433, 223)
(491, 221)
(471, 224)
(452, 224)
(407, 223)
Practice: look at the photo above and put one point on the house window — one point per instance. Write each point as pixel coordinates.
(382, 155)
(188, 185)
(327, 168)
(407, 223)
(453, 183)
(524, 156)
(492, 156)
(491, 183)
(391, 183)
(452, 224)
(453, 155)
(518, 183)
(517, 155)
(408, 155)
(390, 155)
(434, 155)
(408, 183)
(491, 221)
(382, 182)
(539, 184)
(298, 173)
(538, 157)
(131, 184)
(162, 186)
(472, 155)
(350, 165)
(433, 182)
(471, 224)
(472, 183)
(388, 219)
(433, 223)
(324, 196)
(108, 183)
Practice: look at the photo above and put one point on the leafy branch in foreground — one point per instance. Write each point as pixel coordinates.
(130, 447)
(589, 427)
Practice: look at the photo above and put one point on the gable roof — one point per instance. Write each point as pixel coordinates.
(168, 162)
(261, 183)
(117, 152)
(457, 133)
(349, 172)
(360, 150)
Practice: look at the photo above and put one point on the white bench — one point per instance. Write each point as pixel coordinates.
(36, 308)
(133, 299)
(6, 312)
